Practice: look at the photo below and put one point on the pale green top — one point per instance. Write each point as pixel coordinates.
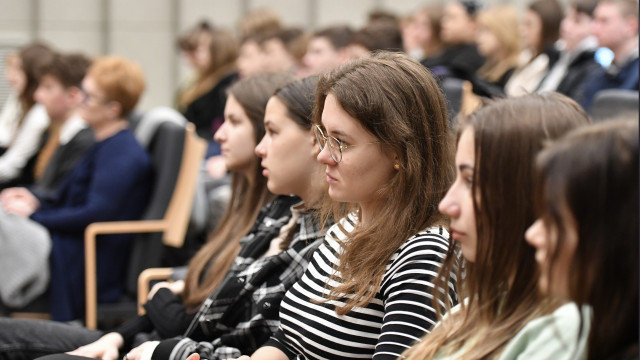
(552, 337)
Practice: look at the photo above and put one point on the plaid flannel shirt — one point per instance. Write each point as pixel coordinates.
(244, 311)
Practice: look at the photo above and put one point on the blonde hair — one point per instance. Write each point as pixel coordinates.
(502, 21)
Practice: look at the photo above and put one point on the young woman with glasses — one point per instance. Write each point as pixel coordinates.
(491, 205)
(382, 126)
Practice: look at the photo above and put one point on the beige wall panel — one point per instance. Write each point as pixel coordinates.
(351, 12)
(143, 15)
(87, 42)
(153, 52)
(14, 19)
(405, 7)
(71, 12)
(220, 12)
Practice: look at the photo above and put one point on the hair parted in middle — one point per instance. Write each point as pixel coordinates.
(500, 287)
(398, 101)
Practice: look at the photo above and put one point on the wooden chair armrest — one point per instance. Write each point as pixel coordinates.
(90, 234)
(145, 278)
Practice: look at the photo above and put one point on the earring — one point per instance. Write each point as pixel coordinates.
(396, 166)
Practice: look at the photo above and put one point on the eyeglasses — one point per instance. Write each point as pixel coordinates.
(86, 97)
(335, 145)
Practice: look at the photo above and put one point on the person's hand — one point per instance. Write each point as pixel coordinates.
(216, 167)
(194, 356)
(19, 201)
(137, 352)
(105, 348)
(176, 288)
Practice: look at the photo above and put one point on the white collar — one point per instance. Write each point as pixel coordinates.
(71, 128)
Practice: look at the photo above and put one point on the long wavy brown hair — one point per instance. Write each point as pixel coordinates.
(592, 174)
(397, 100)
(33, 60)
(500, 287)
(211, 263)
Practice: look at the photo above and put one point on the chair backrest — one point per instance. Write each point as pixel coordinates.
(166, 151)
(182, 200)
(611, 103)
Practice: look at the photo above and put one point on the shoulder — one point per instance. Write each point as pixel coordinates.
(124, 148)
(434, 240)
(553, 336)
(37, 117)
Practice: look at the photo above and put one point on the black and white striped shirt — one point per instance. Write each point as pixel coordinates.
(399, 315)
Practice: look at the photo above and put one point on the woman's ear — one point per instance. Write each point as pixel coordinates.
(314, 143)
(115, 109)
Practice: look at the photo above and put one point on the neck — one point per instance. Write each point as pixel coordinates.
(59, 120)
(314, 188)
(624, 50)
(110, 129)
(368, 211)
(250, 175)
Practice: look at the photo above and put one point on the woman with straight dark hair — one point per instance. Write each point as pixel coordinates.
(491, 205)
(587, 234)
(381, 123)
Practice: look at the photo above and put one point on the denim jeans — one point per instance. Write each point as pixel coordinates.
(29, 339)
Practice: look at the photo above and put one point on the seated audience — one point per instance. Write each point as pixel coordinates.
(203, 103)
(378, 35)
(588, 191)
(498, 41)
(194, 48)
(28, 122)
(577, 58)
(69, 136)
(615, 25)
(245, 250)
(110, 183)
(382, 126)
(540, 30)
(259, 21)
(250, 57)
(327, 50)
(491, 205)
(282, 50)
(460, 57)
(421, 33)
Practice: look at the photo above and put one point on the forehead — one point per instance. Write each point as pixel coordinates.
(607, 10)
(275, 110)
(455, 9)
(465, 153)
(321, 42)
(50, 80)
(335, 118)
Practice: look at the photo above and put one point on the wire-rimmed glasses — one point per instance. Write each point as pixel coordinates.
(335, 145)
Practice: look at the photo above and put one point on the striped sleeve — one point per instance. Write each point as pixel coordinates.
(406, 291)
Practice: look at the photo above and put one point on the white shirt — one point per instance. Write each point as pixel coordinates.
(25, 144)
